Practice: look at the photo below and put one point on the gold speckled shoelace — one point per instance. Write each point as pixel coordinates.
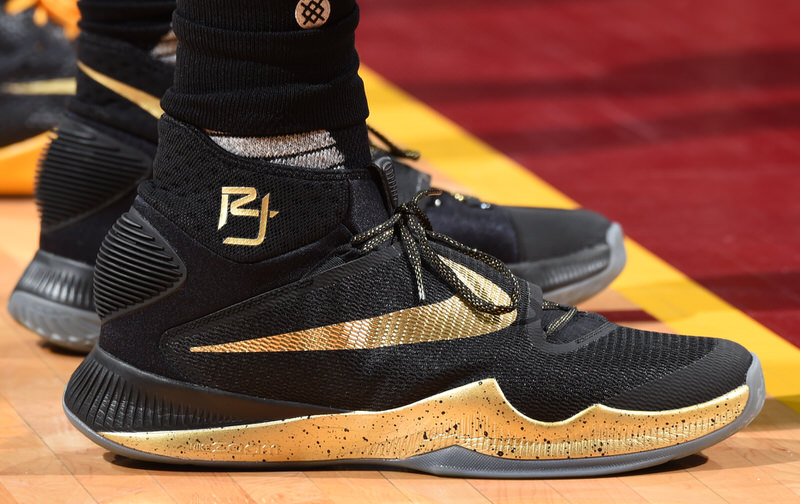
(415, 233)
(569, 312)
(371, 238)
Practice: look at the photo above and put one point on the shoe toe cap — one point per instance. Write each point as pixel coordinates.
(548, 232)
(721, 370)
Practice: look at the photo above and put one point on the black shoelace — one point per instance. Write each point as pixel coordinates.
(398, 152)
(392, 148)
(416, 233)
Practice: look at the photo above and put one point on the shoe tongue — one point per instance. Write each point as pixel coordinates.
(373, 199)
(535, 302)
(536, 296)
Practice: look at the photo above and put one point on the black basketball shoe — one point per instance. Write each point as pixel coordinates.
(102, 149)
(282, 317)
(571, 254)
(37, 64)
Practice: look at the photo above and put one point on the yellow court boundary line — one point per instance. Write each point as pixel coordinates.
(647, 280)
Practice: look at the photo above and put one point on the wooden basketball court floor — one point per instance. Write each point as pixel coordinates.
(680, 119)
(44, 459)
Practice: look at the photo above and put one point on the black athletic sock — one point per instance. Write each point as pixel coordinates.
(128, 42)
(142, 23)
(273, 80)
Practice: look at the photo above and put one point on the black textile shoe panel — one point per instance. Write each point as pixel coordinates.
(87, 178)
(395, 346)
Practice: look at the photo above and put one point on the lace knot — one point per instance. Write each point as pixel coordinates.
(415, 233)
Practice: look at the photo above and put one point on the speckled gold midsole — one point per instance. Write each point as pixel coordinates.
(475, 416)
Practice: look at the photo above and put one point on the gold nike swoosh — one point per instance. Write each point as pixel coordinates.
(65, 86)
(145, 101)
(446, 320)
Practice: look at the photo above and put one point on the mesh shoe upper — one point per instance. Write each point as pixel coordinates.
(547, 381)
(557, 232)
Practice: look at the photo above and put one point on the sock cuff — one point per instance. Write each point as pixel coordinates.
(265, 83)
(271, 111)
(258, 15)
(269, 47)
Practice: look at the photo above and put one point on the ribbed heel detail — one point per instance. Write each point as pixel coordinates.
(82, 170)
(135, 266)
(107, 394)
(105, 399)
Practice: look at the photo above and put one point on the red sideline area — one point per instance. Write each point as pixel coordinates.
(680, 119)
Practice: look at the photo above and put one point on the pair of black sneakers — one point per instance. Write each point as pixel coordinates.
(276, 316)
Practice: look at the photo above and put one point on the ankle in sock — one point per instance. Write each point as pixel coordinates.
(267, 86)
(248, 209)
(316, 149)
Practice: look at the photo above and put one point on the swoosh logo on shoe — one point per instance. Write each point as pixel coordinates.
(65, 86)
(446, 320)
(145, 101)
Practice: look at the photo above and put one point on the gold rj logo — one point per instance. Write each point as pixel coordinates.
(236, 207)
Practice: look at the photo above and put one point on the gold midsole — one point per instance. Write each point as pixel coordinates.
(476, 416)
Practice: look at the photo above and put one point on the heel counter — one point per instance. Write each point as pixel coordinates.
(82, 171)
(135, 267)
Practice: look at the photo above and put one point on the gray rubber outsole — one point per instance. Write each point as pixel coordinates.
(54, 299)
(58, 324)
(584, 289)
(461, 462)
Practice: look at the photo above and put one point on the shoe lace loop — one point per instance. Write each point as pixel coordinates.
(416, 233)
(569, 312)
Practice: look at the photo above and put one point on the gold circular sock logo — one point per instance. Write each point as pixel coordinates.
(312, 13)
